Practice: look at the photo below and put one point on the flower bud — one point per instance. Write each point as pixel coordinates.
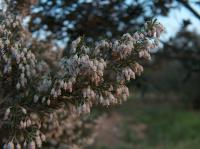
(5, 146)
(24, 110)
(18, 86)
(7, 111)
(31, 145)
(48, 102)
(10, 145)
(35, 98)
(18, 146)
(43, 137)
(25, 144)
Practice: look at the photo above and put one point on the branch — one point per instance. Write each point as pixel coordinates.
(186, 4)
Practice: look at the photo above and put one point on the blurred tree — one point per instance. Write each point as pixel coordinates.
(66, 20)
(94, 19)
(175, 69)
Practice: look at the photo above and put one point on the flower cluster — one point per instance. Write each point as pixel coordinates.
(62, 125)
(125, 46)
(16, 57)
(26, 64)
(126, 74)
(39, 138)
(48, 101)
(84, 66)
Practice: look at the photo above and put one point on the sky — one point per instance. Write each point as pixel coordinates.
(173, 21)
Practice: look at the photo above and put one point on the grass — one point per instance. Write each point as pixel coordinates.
(150, 126)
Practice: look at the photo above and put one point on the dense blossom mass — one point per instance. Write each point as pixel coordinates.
(39, 101)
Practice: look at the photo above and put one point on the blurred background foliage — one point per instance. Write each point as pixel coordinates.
(163, 111)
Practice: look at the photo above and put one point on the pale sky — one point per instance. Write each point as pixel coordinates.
(173, 22)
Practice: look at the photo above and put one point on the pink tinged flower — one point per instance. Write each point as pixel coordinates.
(145, 54)
(28, 122)
(24, 110)
(43, 99)
(52, 91)
(18, 86)
(84, 93)
(35, 98)
(70, 86)
(101, 99)
(107, 102)
(31, 145)
(118, 91)
(10, 145)
(126, 91)
(84, 108)
(43, 137)
(132, 74)
(124, 97)
(55, 95)
(38, 141)
(25, 124)
(136, 36)
(25, 144)
(48, 102)
(7, 113)
(21, 124)
(92, 94)
(62, 83)
(65, 86)
(5, 70)
(87, 108)
(18, 146)
(59, 92)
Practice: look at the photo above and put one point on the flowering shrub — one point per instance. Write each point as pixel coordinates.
(39, 101)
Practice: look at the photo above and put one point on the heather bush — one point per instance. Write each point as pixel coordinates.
(41, 101)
